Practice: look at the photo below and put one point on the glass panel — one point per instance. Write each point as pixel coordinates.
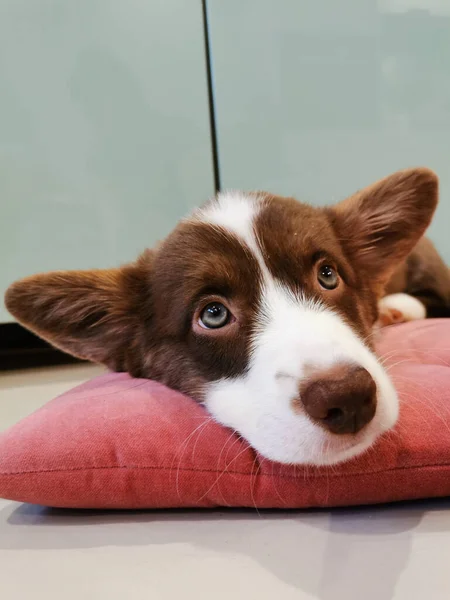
(317, 99)
(104, 126)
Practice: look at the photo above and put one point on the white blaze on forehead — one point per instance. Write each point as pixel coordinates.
(233, 211)
(236, 213)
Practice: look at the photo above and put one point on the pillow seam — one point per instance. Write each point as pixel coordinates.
(191, 470)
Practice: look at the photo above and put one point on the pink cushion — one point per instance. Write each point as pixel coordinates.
(118, 442)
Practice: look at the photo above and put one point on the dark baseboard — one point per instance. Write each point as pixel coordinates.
(21, 349)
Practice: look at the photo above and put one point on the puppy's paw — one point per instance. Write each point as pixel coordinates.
(400, 308)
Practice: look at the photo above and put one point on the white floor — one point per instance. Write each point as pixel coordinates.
(400, 552)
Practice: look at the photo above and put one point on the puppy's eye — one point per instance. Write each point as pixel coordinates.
(214, 315)
(328, 277)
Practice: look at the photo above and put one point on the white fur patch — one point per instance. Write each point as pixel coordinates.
(236, 212)
(292, 333)
(411, 308)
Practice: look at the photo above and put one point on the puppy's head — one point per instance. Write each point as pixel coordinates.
(259, 306)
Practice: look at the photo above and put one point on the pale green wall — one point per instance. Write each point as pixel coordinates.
(318, 98)
(104, 130)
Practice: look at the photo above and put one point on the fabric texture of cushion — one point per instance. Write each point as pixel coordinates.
(117, 442)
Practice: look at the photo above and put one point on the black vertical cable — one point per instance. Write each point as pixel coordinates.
(212, 112)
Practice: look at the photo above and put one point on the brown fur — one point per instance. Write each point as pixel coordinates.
(294, 259)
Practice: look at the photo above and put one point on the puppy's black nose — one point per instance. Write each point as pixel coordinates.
(341, 399)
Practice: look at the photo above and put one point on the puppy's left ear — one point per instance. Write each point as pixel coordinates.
(96, 315)
(380, 225)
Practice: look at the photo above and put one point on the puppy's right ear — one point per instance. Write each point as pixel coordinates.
(380, 225)
(95, 315)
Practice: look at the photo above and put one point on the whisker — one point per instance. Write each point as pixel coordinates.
(183, 448)
(274, 480)
(223, 472)
(252, 487)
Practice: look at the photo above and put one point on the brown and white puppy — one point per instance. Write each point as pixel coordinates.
(260, 307)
